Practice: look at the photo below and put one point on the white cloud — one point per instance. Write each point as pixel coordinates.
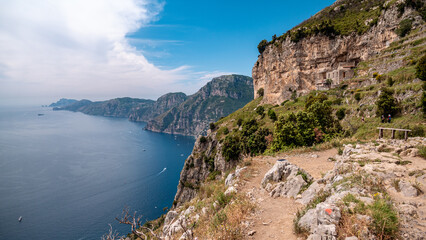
(78, 48)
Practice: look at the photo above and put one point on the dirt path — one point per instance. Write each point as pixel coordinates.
(274, 216)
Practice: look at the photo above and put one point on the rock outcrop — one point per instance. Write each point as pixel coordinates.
(218, 98)
(162, 105)
(118, 107)
(285, 179)
(364, 176)
(286, 66)
(63, 102)
(206, 158)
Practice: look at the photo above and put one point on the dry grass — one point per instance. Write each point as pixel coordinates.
(225, 223)
(350, 226)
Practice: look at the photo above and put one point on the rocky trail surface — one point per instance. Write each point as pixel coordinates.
(348, 186)
(274, 216)
(372, 190)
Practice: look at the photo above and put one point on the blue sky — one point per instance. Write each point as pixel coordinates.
(219, 35)
(102, 49)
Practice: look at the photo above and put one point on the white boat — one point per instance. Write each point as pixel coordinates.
(20, 219)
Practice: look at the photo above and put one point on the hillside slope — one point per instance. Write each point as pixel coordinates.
(118, 107)
(218, 98)
(328, 46)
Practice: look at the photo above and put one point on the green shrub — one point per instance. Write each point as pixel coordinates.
(313, 99)
(305, 127)
(400, 9)
(293, 95)
(239, 121)
(213, 174)
(385, 219)
(386, 104)
(262, 46)
(390, 81)
(416, 131)
(209, 162)
(340, 151)
(421, 68)
(422, 151)
(284, 102)
(375, 74)
(231, 148)
(298, 34)
(338, 101)
(261, 92)
(223, 199)
(272, 115)
(323, 114)
(423, 103)
(255, 144)
(340, 114)
(203, 139)
(225, 131)
(212, 126)
(380, 78)
(260, 110)
(357, 96)
(404, 27)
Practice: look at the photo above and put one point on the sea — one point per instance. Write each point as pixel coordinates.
(69, 175)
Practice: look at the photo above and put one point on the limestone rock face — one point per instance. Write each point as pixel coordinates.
(285, 179)
(163, 104)
(288, 66)
(205, 158)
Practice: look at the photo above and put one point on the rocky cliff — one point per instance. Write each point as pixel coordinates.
(163, 104)
(139, 110)
(205, 161)
(348, 32)
(63, 102)
(118, 107)
(218, 98)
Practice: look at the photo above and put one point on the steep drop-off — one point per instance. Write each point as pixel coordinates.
(218, 98)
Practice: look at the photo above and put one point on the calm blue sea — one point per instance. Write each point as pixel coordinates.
(69, 174)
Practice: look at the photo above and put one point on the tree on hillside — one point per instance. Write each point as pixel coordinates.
(386, 104)
(260, 92)
(272, 115)
(313, 99)
(306, 127)
(262, 46)
(421, 68)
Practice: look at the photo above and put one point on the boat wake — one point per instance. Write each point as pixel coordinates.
(164, 169)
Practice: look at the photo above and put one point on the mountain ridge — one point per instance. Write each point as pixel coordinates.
(192, 113)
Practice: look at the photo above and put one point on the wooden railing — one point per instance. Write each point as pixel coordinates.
(393, 132)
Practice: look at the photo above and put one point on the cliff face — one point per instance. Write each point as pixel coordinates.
(286, 66)
(205, 159)
(163, 104)
(118, 107)
(218, 98)
(63, 102)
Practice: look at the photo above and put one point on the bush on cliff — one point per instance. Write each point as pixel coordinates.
(231, 148)
(260, 92)
(262, 46)
(272, 115)
(404, 27)
(315, 98)
(386, 104)
(305, 128)
(340, 114)
(421, 68)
